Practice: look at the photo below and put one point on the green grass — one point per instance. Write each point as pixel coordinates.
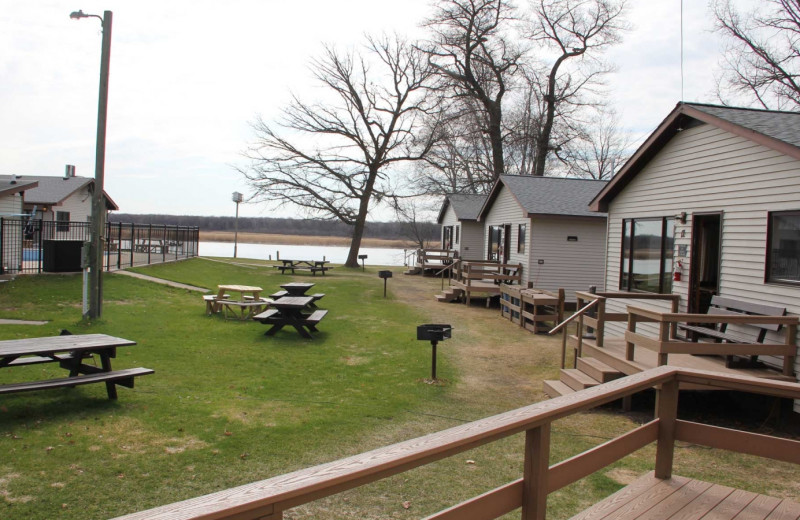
(226, 406)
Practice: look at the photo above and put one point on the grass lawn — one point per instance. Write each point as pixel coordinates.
(228, 405)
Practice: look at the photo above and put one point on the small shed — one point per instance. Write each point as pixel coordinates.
(545, 224)
(709, 205)
(461, 231)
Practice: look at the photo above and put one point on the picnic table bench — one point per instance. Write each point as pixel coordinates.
(289, 310)
(69, 352)
(314, 266)
(746, 333)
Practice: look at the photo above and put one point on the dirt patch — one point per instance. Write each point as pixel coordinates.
(6, 494)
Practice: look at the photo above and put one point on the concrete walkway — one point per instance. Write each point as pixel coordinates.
(162, 281)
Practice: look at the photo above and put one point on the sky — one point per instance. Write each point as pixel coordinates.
(188, 77)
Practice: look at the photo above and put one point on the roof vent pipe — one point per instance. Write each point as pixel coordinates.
(69, 171)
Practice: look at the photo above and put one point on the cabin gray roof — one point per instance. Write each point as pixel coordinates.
(779, 131)
(53, 190)
(784, 126)
(466, 206)
(558, 196)
(9, 184)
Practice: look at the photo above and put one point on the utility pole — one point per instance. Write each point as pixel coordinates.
(97, 249)
(237, 198)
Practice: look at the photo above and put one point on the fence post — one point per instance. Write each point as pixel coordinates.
(164, 242)
(537, 466)
(667, 415)
(3, 251)
(149, 242)
(119, 245)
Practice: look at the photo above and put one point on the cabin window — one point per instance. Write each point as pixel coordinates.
(62, 221)
(783, 247)
(447, 237)
(647, 249)
(521, 233)
(458, 228)
(497, 244)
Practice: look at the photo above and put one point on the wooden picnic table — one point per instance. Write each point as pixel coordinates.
(314, 266)
(246, 305)
(69, 352)
(289, 311)
(297, 288)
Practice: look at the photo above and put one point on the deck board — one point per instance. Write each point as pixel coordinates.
(681, 498)
(647, 359)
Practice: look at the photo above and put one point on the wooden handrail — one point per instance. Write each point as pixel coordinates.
(269, 498)
(563, 327)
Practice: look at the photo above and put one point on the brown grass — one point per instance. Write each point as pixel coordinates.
(271, 238)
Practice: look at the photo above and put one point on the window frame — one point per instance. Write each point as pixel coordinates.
(522, 238)
(768, 278)
(664, 276)
(62, 225)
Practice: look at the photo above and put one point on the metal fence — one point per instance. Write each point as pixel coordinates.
(36, 246)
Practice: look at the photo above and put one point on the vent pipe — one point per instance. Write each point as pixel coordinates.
(69, 171)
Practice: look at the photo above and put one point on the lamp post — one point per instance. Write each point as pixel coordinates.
(98, 204)
(237, 198)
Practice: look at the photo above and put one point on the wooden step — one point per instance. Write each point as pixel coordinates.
(556, 388)
(577, 380)
(619, 363)
(598, 370)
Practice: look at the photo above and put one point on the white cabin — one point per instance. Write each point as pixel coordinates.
(714, 194)
(461, 231)
(545, 224)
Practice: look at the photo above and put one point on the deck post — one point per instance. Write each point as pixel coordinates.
(537, 465)
(663, 337)
(629, 345)
(788, 361)
(667, 415)
(599, 330)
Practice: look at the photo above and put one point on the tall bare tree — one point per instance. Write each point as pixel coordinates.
(598, 152)
(476, 59)
(762, 58)
(332, 158)
(576, 31)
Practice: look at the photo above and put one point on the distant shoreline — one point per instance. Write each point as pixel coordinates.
(271, 238)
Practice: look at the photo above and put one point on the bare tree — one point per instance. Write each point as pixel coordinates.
(599, 151)
(332, 158)
(408, 212)
(762, 58)
(576, 32)
(476, 59)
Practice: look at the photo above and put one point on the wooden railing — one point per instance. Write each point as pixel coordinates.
(268, 499)
(450, 270)
(562, 327)
(433, 258)
(666, 343)
(602, 316)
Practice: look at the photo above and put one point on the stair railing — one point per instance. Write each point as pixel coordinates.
(449, 268)
(563, 328)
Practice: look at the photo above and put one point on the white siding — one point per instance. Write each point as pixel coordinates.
(449, 219)
(573, 265)
(506, 210)
(705, 169)
(471, 244)
(79, 205)
(11, 204)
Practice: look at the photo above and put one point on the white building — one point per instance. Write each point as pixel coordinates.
(461, 231)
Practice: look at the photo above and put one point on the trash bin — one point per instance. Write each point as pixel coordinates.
(61, 256)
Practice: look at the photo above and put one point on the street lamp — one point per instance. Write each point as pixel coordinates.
(98, 204)
(237, 198)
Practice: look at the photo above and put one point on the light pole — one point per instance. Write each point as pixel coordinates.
(98, 204)
(237, 198)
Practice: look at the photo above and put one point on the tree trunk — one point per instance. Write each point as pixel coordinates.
(496, 138)
(361, 219)
(543, 145)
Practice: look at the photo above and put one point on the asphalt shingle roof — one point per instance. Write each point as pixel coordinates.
(784, 126)
(10, 184)
(51, 190)
(554, 195)
(466, 206)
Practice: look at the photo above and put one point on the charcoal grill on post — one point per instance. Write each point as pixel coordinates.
(384, 275)
(362, 258)
(434, 332)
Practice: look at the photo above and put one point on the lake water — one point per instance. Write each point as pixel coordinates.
(337, 255)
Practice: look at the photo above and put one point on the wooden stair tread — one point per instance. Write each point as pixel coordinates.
(576, 379)
(556, 388)
(598, 370)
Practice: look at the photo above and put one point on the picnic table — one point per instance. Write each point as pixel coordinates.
(245, 306)
(69, 352)
(314, 266)
(297, 288)
(289, 311)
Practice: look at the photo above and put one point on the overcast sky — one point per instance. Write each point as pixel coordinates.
(188, 76)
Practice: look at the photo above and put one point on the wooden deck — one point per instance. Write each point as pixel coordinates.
(613, 354)
(683, 498)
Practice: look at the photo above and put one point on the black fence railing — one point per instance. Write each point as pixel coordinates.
(36, 246)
